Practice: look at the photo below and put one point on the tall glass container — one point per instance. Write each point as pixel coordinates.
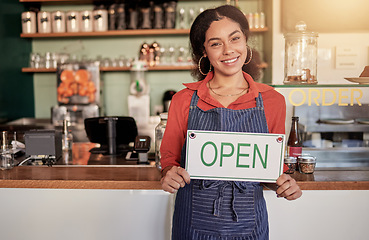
(159, 133)
(300, 60)
(67, 142)
(6, 154)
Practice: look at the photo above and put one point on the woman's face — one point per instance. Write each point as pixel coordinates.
(225, 46)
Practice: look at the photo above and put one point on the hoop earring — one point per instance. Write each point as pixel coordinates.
(199, 66)
(248, 47)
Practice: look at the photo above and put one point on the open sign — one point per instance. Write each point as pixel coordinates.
(234, 156)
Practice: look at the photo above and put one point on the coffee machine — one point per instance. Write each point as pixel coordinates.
(78, 93)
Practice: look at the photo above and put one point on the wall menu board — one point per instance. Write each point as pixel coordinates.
(328, 16)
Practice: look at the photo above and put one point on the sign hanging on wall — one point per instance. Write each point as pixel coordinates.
(234, 156)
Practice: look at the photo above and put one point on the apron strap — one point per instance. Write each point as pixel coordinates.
(259, 101)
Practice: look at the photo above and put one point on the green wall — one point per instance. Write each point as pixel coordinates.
(115, 84)
(16, 88)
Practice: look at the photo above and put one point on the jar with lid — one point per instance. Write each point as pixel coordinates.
(159, 133)
(306, 163)
(291, 163)
(300, 58)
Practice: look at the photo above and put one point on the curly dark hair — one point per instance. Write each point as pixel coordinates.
(197, 37)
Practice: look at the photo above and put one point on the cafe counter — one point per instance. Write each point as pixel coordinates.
(147, 177)
(90, 199)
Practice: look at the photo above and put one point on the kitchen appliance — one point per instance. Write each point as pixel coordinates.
(300, 58)
(112, 133)
(338, 136)
(78, 95)
(167, 98)
(43, 145)
(139, 99)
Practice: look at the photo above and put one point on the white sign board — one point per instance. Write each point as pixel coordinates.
(347, 57)
(234, 156)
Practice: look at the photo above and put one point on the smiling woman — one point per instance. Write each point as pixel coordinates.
(225, 99)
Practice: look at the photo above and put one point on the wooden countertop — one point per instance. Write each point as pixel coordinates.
(147, 177)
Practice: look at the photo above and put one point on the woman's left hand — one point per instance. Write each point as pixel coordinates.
(287, 187)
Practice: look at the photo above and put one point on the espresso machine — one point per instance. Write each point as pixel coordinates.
(78, 93)
(337, 135)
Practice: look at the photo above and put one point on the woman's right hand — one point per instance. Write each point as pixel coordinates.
(174, 177)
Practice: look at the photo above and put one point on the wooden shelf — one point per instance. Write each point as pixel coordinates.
(75, 1)
(256, 30)
(38, 70)
(114, 69)
(113, 33)
(117, 33)
(59, 2)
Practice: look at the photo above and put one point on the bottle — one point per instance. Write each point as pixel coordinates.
(256, 20)
(159, 133)
(67, 142)
(4, 140)
(262, 20)
(294, 144)
(6, 154)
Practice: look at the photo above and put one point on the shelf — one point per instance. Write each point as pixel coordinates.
(113, 33)
(116, 33)
(57, 1)
(114, 69)
(75, 1)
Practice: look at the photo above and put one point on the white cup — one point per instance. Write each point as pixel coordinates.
(44, 22)
(73, 21)
(58, 21)
(100, 20)
(86, 20)
(29, 22)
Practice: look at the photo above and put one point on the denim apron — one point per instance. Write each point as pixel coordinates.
(222, 210)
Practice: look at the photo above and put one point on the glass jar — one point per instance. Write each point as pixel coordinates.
(300, 58)
(306, 163)
(44, 22)
(6, 153)
(58, 22)
(291, 163)
(159, 133)
(28, 22)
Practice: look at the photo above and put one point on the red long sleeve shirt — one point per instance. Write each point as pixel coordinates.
(175, 132)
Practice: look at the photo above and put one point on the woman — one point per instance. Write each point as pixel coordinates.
(225, 98)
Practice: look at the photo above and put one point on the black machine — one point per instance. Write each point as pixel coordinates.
(45, 145)
(112, 133)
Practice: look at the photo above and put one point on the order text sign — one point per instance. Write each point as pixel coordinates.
(234, 156)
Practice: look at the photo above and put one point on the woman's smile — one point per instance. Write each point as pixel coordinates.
(230, 61)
